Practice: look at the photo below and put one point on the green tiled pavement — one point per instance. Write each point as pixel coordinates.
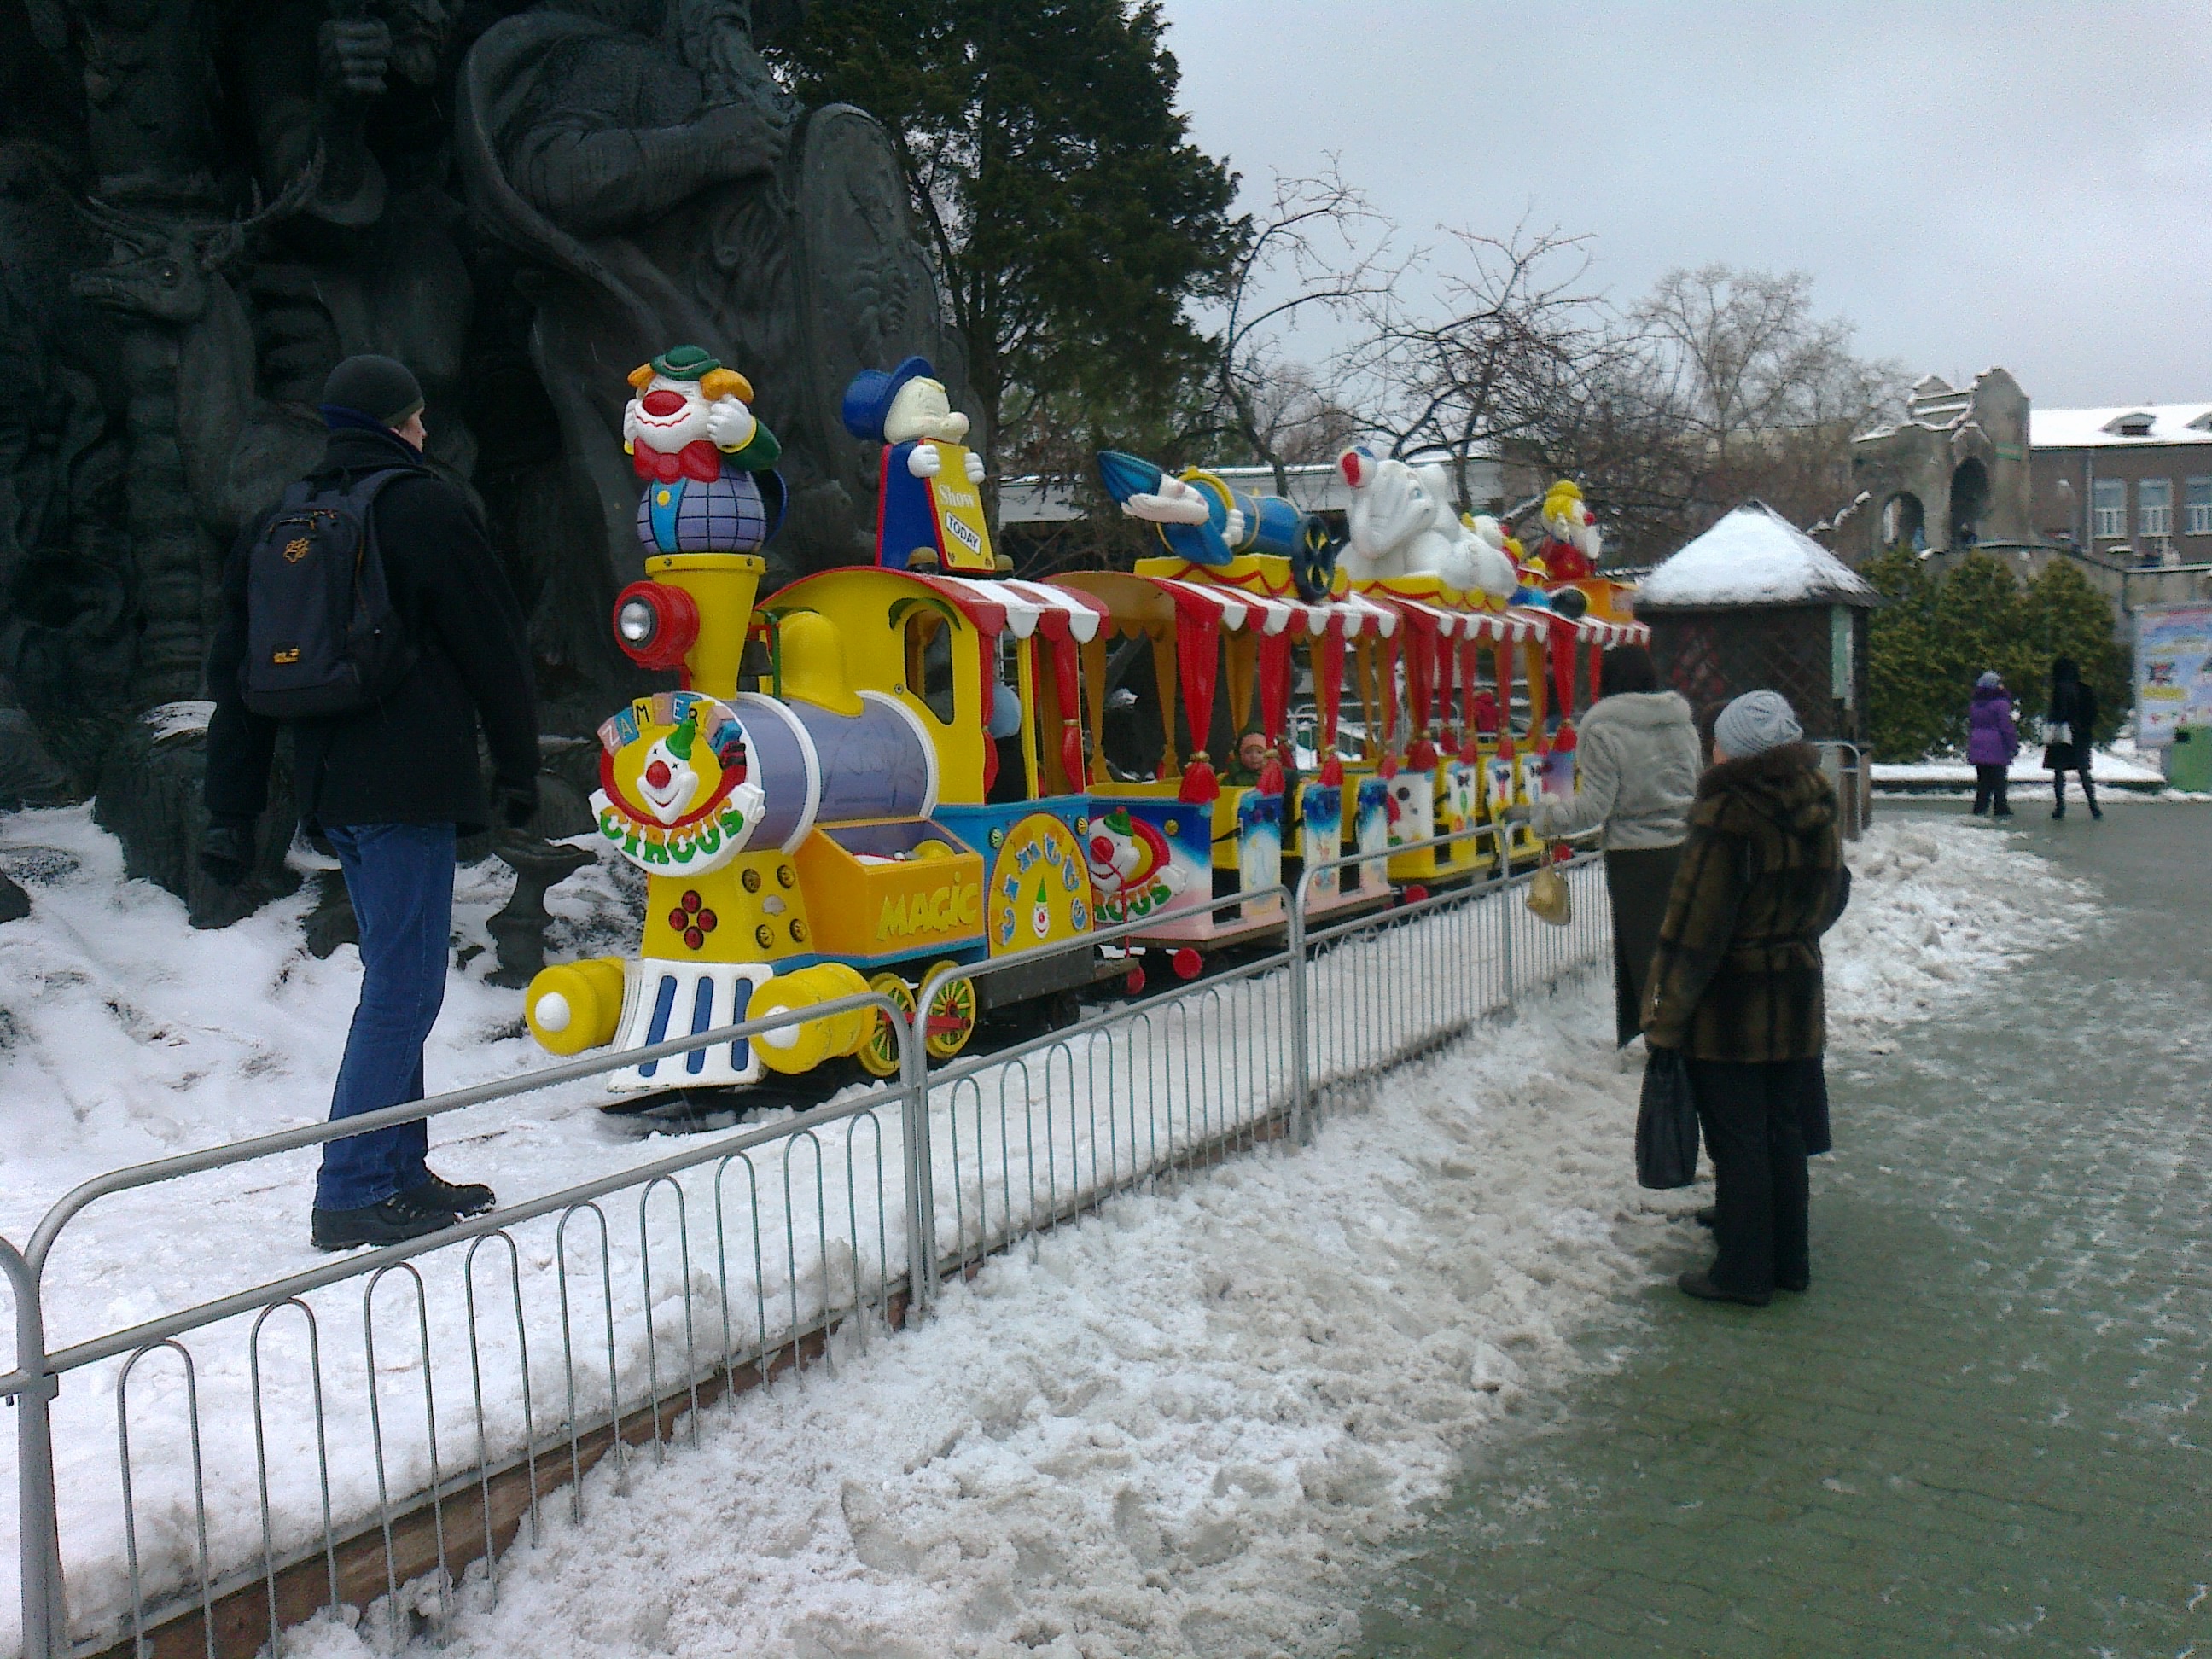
(1984, 1430)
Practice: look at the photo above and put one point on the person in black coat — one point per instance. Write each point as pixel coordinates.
(2074, 704)
(390, 787)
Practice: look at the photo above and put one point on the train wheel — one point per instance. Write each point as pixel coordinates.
(951, 1018)
(878, 1053)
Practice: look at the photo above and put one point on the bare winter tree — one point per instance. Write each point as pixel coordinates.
(1516, 338)
(1720, 385)
(1320, 246)
(1764, 391)
(1300, 421)
(1621, 443)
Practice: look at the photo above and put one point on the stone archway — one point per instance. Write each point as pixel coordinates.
(1904, 522)
(1970, 502)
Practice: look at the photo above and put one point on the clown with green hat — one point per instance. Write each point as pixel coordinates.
(1132, 864)
(707, 463)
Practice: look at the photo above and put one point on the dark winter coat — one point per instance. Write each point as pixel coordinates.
(411, 759)
(1993, 740)
(1738, 975)
(2076, 704)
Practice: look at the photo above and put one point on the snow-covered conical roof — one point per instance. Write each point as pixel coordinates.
(1753, 556)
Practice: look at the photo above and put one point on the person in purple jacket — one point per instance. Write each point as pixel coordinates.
(1992, 740)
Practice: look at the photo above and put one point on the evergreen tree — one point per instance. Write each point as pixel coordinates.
(2066, 616)
(1904, 658)
(1934, 637)
(1980, 624)
(1070, 218)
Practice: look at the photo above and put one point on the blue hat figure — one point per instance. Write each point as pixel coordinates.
(868, 399)
(909, 411)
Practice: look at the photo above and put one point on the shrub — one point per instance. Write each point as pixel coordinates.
(1934, 635)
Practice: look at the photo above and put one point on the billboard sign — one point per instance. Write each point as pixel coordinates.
(2173, 670)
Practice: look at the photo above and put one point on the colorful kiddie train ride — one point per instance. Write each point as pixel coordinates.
(881, 770)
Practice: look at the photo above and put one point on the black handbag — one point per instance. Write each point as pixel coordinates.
(1666, 1123)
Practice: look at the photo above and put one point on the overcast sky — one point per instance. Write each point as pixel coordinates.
(2022, 183)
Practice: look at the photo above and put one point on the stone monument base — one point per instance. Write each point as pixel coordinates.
(151, 799)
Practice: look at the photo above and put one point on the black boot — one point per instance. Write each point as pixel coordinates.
(396, 1220)
(1700, 1285)
(2089, 794)
(463, 1198)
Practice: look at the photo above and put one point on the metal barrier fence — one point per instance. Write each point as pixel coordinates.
(358, 1435)
(1853, 780)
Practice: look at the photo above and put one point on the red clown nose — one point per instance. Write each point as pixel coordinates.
(660, 403)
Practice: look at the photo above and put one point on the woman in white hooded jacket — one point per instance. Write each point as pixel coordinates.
(1638, 759)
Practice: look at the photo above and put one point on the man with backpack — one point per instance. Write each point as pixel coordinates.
(369, 614)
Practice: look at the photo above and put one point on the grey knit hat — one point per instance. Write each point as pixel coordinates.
(1989, 681)
(1755, 723)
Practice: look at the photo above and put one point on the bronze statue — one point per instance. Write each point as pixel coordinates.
(204, 205)
(638, 153)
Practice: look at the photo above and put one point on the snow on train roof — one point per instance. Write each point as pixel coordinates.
(1753, 556)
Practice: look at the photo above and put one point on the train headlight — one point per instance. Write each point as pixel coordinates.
(655, 624)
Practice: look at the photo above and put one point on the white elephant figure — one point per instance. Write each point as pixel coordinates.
(1402, 524)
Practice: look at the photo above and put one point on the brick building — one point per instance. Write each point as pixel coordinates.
(2132, 482)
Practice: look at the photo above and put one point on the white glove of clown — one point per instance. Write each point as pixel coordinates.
(730, 424)
(1177, 502)
(924, 461)
(974, 467)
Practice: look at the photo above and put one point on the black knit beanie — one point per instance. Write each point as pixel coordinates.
(381, 388)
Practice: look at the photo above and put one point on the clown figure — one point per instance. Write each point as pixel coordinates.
(1132, 866)
(707, 465)
(667, 780)
(1571, 546)
(930, 509)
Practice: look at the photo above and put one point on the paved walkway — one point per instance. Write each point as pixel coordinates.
(1983, 1429)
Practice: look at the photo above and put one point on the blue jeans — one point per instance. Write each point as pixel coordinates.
(400, 877)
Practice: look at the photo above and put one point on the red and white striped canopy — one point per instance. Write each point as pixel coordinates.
(1449, 623)
(1237, 609)
(1609, 634)
(1030, 605)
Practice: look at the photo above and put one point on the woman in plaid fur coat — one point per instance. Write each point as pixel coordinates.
(1735, 985)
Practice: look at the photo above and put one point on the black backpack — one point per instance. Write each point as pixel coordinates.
(321, 636)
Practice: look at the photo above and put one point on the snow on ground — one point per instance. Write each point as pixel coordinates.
(2113, 766)
(1195, 1423)
(1938, 906)
(134, 1036)
(126, 1035)
(1182, 1427)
